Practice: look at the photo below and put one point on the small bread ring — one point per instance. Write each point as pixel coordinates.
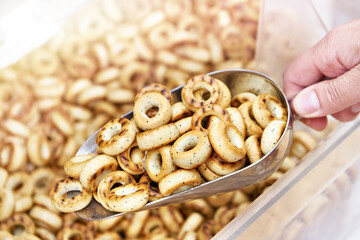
(23, 204)
(128, 197)
(302, 143)
(96, 169)
(13, 153)
(42, 179)
(38, 149)
(227, 141)
(75, 203)
(209, 110)
(7, 203)
(242, 97)
(157, 137)
(45, 217)
(179, 111)
(153, 188)
(145, 103)
(132, 160)
(253, 150)
(22, 221)
(207, 173)
(20, 183)
(271, 135)
(252, 127)
(159, 163)
(267, 108)
(196, 83)
(191, 223)
(179, 178)
(155, 87)
(220, 199)
(237, 120)
(208, 230)
(74, 165)
(184, 125)
(191, 149)
(74, 231)
(44, 233)
(152, 226)
(198, 205)
(225, 95)
(171, 217)
(137, 222)
(287, 164)
(116, 136)
(3, 177)
(224, 214)
(221, 167)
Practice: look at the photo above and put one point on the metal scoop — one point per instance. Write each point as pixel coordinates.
(238, 80)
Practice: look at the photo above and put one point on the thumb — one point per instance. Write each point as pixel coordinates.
(329, 96)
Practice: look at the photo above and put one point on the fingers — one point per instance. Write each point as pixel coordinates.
(330, 96)
(318, 124)
(335, 54)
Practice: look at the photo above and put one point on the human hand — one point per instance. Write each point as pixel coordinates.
(325, 80)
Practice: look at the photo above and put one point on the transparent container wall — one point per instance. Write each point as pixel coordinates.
(286, 29)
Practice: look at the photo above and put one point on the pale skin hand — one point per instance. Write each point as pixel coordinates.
(325, 80)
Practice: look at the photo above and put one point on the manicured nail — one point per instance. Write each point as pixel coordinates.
(355, 108)
(307, 104)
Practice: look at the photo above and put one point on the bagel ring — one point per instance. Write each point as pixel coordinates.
(267, 108)
(74, 231)
(227, 142)
(18, 222)
(237, 119)
(7, 203)
(20, 183)
(183, 125)
(145, 103)
(221, 167)
(74, 165)
(153, 187)
(191, 150)
(157, 137)
(208, 110)
(58, 196)
(225, 95)
(42, 178)
(96, 169)
(116, 136)
(155, 87)
(131, 160)
(159, 163)
(46, 218)
(196, 83)
(177, 179)
(125, 198)
(179, 111)
(271, 135)
(198, 205)
(253, 150)
(302, 143)
(191, 224)
(208, 229)
(38, 149)
(3, 177)
(252, 127)
(171, 217)
(242, 97)
(207, 173)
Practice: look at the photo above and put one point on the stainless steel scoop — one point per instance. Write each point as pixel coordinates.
(238, 80)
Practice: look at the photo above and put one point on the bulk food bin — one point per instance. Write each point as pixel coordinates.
(81, 62)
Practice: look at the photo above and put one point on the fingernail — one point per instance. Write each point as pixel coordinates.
(355, 108)
(307, 104)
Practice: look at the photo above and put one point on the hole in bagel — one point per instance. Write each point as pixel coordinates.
(71, 194)
(233, 136)
(75, 236)
(110, 132)
(18, 186)
(17, 229)
(116, 185)
(152, 111)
